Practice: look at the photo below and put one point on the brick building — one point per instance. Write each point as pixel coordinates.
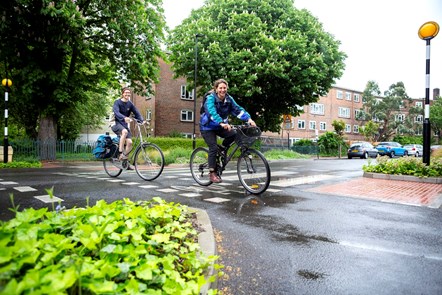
(171, 110)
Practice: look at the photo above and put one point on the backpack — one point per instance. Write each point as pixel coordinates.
(103, 147)
(204, 101)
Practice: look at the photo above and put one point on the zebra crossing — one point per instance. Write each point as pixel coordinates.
(215, 193)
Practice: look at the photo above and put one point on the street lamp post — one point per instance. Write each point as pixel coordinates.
(195, 74)
(427, 32)
(6, 83)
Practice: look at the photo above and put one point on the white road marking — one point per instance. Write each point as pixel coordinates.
(48, 199)
(23, 189)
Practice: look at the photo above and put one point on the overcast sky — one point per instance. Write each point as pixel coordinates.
(379, 37)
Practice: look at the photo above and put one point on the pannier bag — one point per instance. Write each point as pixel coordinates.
(103, 147)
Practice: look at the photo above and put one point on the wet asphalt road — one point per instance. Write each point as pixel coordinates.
(287, 241)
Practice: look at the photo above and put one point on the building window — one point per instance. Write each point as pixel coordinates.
(186, 94)
(187, 135)
(358, 114)
(301, 124)
(339, 94)
(148, 114)
(322, 126)
(344, 112)
(317, 108)
(312, 125)
(347, 95)
(347, 128)
(356, 97)
(355, 128)
(399, 117)
(419, 104)
(187, 115)
(419, 119)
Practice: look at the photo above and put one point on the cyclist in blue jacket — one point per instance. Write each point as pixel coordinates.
(214, 122)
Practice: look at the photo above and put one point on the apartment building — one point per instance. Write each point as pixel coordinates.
(171, 110)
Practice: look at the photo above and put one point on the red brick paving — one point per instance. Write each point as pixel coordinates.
(394, 191)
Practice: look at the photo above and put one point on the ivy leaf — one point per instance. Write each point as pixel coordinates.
(144, 272)
(161, 238)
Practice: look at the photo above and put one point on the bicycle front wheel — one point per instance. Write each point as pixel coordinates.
(112, 165)
(253, 171)
(149, 161)
(199, 166)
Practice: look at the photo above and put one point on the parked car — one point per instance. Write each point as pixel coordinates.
(415, 150)
(362, 150)
(391, 149)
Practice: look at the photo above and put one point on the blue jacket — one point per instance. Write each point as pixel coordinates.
(217, 111)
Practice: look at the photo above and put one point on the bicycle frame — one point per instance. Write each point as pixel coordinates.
(252, 168)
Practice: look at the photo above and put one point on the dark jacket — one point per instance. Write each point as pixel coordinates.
(217, 111)
(122, 110)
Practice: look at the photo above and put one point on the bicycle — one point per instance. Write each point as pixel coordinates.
(252, 167)
(148, 158)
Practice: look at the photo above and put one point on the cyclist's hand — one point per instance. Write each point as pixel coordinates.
(145, 122)
(127, 119)
(251, 122)
(226, 126)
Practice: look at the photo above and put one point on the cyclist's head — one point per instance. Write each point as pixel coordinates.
(124, 89)
(219, 81)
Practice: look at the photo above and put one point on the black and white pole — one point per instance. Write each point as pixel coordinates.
(427, 32)
(195, 75)
(6, 83)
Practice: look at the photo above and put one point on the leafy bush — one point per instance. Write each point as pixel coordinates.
(177, 156)
(330, 142)
(303, 142)
(122, 247)
(21, 164)
(403, 139)
(405, 166)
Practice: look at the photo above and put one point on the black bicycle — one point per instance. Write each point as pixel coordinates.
(148, 158)
(252, 167)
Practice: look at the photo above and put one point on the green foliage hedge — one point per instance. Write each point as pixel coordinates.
(21, 164)
(405, 166)
(118, 248)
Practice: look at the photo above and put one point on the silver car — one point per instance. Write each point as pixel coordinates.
(362, 150)
(414, 150)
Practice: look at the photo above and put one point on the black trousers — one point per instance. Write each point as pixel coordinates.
(210, 139)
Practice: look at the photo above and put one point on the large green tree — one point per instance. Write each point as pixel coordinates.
(436, 117)
(64, 57)
(274, 56)
(384, 110)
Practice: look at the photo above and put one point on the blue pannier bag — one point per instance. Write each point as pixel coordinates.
(103, 147)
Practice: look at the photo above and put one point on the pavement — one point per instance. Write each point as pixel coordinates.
(414, 191)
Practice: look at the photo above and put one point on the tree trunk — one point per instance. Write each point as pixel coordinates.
(47, 137)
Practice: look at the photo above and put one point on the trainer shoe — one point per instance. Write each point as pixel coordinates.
(214, 177)
(130, 167)
(123, 157)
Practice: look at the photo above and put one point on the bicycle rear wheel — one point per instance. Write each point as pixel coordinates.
(199, 166)
(149, 161)
(253, 171)
(112, 165)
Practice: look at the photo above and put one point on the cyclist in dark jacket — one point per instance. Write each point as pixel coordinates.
(122, 110)
(214, 122)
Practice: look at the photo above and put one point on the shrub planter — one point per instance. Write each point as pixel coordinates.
(437, 180)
